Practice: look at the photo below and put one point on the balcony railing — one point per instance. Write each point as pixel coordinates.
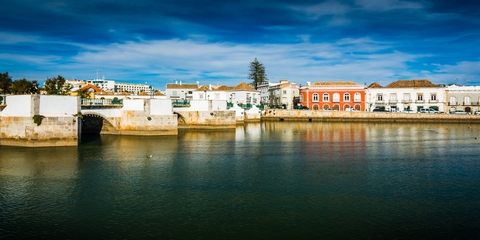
(102, 102)
(392, 102)
(419, 101)
(407, 101)
(379, 102)
(181, 103)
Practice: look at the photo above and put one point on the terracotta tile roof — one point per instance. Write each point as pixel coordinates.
(204, 88)
(411, 83)
(375, 85)
(332, 84)
(91, 86)
(243, 86)
(180, 86)
(222, 88)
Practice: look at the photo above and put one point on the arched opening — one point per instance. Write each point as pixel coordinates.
(315, 107)
(468, 109)
(95, 124)
(181, 119)
(336, 107)
(326, 107)
(346, 107)
(357, 107)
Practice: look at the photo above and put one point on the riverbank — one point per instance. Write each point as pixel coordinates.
(342, 116)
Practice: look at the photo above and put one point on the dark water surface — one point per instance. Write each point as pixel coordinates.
(281, 180)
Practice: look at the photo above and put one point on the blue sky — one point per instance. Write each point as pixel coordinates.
(213, 42)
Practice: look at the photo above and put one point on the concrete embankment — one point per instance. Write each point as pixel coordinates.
(342, 116)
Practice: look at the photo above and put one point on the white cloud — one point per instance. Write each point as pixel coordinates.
(362, 60)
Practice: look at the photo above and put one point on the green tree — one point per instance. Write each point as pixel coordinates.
(57, 85)
(257, 74)
(23, 86)
(84, 93)
(5, 83)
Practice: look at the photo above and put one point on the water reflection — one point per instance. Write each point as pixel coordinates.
(263, 180)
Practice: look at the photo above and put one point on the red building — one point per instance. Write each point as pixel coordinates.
(341, 96)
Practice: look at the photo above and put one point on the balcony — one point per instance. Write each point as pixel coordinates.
(379, 103)
(392, 102)
(406, 101)
(419, 101)
(181, 103)
(101, 102)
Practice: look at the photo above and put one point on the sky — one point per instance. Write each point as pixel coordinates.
(213, 42)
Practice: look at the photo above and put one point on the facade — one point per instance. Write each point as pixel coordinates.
(132, 88)
(283, 94)
(406, 95)
(105, 85)
(264, 94)
(243, 94)
(181, 90)
(339, 96)
(464, 98)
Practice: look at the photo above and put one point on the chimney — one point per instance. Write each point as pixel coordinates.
(308, 83)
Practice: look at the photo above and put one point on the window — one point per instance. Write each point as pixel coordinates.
(174, 93)
(326, 97)
(315, 97)
(433, 96)
(467, 101)
(406, 97)
(380, 97)
(453, 101)
(357, 97)
(420, 97)
(284, 91)
(336, 97)
(346, 97)
(393, 97)
(301, 98)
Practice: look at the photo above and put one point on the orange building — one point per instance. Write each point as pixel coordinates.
(341, 96)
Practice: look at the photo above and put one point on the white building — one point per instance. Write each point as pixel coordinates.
(465, 98)
(132, 88)
(243, 94)
(105, 85)
(283, 94)
(406, 95)
(180, 90)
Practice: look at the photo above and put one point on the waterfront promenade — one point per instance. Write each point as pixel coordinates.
(356, 116)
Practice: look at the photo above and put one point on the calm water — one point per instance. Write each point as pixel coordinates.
(277, 180)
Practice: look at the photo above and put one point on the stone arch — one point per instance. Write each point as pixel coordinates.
(96, 123)
(336, 107)
(326, 107)
(346, 106)
(357, 107)
(315, 107)
(180, 119)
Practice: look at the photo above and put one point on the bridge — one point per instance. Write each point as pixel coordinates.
(52, 120)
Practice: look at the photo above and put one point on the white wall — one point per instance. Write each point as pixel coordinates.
(56, 105)
(161, 107)
(219, 105)
(132, 105)
(19, 105)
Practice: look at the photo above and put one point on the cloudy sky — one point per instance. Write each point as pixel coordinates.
(213, 42)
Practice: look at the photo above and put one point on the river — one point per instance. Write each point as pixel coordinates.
(269, 180)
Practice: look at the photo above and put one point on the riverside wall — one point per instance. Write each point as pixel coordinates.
(57, 123)
(343, 116)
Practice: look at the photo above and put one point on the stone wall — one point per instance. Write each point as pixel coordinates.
(53, 131)
(58, 127)
(206, 119)
(339, 116)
